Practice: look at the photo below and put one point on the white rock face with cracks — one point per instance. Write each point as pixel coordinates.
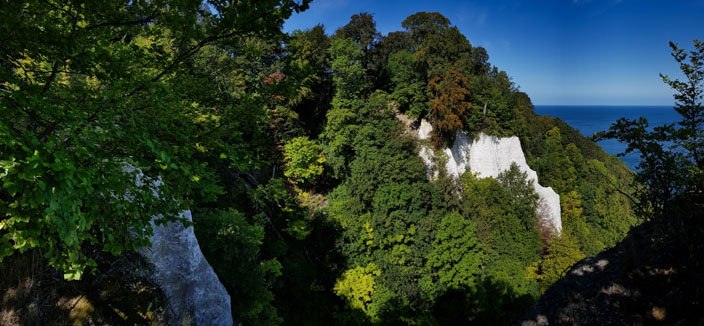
(488, 156)
(188, 281)
(192, 288)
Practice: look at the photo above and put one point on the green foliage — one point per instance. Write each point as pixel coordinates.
(562, 253)
(493, 91)
(203, 103)
(671, 169)
(357, 286)
(591, 184)
(340, 130)
(361, 29)
(349, 75)
(557, 169)
(438, 44)
(349, 131)
(688, 103)
(504, 210)
(408, 76)
(303, 160)
(87, 90)
(456, 258)
(308, 48)
(308, 65)
(423, 24)
(236, 243)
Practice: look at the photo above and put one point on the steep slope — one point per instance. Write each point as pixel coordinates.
(639, 281)
(489, 156)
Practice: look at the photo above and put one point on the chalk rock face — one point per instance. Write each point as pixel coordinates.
(188, 281)
(489, 156)
(190, 284)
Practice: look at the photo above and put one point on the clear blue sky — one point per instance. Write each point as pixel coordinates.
(578, 52)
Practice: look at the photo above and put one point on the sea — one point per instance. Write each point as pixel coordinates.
(589, 119)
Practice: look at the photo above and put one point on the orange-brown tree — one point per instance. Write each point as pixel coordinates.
(449, 105)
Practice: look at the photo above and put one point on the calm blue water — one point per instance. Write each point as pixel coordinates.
(591, 119)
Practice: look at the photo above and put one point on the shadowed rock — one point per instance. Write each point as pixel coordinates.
(638, 282)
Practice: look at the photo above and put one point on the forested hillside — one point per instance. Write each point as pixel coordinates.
(655, 274)
(308, 195)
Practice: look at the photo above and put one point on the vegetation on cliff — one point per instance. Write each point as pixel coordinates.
(655, 274)
(286, 147)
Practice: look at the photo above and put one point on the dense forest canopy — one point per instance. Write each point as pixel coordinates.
(287, 148)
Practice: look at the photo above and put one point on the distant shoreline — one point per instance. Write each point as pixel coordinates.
(589, 119)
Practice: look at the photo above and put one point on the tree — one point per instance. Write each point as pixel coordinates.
(349, 77)
(348, 71)
(309, 47)
(523, 199)
(236, 243)
(449, 106)
(409, 81)
(457, 256)
(307, 63)
(358, 286)
(380, 54)
(437, 44)
(671, 169)
(303, 160)
(87, 91)
(562, 253)
(423, 24)
(361, 29)
(558, 171)
(504, 213)
(443, 50)
(688, 100)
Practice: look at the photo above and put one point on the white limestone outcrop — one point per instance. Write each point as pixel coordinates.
(488, 156)
(192, 289)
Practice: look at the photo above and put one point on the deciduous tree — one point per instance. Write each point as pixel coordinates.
(449, 106)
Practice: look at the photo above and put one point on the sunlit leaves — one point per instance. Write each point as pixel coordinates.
(357, 286)
(92, 88)
(303, 159)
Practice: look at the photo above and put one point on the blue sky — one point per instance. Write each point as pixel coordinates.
(577, 52)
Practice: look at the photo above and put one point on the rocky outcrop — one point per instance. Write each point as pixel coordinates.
(643, 280)
(192, 288)
(488, 156)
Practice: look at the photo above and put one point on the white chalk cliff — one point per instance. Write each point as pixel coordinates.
(192, 289)
(488, 156)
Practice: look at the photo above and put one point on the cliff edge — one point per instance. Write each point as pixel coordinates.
(488, 156)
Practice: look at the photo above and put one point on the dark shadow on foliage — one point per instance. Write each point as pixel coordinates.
(311, 267)
(491, 302)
